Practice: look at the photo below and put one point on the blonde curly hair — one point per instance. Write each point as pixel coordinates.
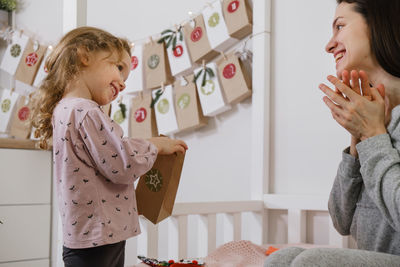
(63, 64)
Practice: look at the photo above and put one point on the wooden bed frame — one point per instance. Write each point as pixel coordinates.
(196, 229)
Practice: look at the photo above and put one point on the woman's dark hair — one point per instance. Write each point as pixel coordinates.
(383, 20)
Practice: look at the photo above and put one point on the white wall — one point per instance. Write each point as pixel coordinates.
(306, 141)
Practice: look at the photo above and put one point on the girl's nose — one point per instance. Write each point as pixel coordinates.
(122, 86)
(330, 46)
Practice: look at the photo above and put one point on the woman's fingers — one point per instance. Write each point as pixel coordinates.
(365, 83)
(346, 78)
(355, 84)
(336, 110)
(344, 89)
(335, 97)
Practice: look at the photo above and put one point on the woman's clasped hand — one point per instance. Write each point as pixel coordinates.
(356, 105)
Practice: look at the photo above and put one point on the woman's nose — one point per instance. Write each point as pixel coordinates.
(330, 46)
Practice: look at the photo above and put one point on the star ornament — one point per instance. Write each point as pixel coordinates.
(154, 180)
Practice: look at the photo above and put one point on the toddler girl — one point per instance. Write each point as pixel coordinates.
(94, 165)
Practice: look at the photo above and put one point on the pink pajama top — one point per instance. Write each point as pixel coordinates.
(94, 171)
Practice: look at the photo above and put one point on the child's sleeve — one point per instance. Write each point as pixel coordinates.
(120, 159)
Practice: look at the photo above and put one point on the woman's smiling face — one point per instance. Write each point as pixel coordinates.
(350, 43)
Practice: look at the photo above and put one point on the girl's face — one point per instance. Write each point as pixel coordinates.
(350, 43)
(105, 75)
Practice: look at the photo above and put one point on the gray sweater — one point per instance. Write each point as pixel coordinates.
(365, 198)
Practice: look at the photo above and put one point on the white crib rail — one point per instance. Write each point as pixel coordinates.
(204, 222)
(169, 239)
(297, 206)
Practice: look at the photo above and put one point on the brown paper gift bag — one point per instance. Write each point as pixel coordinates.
(142, 117)
(236, 82)
(30, 62)
(156, 65)
(20, 125)
(197, 41)
(156, 190)
(187, 105)
(238, 17)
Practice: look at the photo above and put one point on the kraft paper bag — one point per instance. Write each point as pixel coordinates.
(8, 100)
(235, 81)
(120, 112)
(22, 118)
(210, 94)
(142, 117)
(156, 190)
(238, 17)
(135, 81)
(42, 71)
(13, 53)
(178, 56)
(165, 110)
(197, 41)
(217, 31)
(156, 65)
(30, 62)
(187, 105)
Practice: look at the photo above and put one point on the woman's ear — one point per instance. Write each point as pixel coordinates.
(83, 56)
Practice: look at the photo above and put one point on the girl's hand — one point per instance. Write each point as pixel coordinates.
(361, 117)
(167, 146)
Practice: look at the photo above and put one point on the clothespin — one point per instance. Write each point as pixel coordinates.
(203, 63)
(35, 45)
(223, 55)
(184, 81)
(12, 91)
(162, 87)
(119, 101)
(20, 33)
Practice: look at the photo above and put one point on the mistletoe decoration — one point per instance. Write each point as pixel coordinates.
(8, 5)
(123, 109)
(157, 96)
(206, 71)
(170, 37)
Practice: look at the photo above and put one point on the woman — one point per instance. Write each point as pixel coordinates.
(365, 198)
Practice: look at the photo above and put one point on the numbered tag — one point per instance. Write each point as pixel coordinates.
(42, 71)
(210, 95)
(120, 112)
(165, 111)
(13, 53)
(196, 34)
(135, 81)
(233, 6)
(216, 27)
(8, 100)
(140, 115)
(179, 58)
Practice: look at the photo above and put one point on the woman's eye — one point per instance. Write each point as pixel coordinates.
(339, 27)
(120, 67)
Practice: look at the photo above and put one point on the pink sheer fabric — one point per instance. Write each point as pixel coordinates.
(237, 254)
